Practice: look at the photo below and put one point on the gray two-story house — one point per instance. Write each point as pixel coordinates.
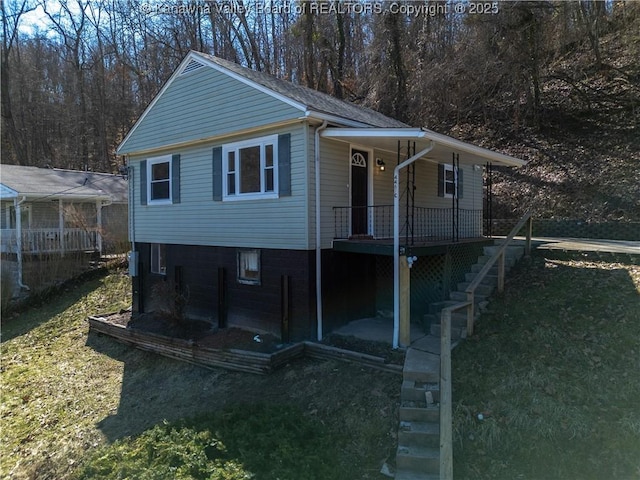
(281, 209)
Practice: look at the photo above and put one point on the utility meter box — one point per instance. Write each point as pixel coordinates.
(133, 263)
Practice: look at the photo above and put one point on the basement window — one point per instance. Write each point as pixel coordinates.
(249, 267)
(158, 259)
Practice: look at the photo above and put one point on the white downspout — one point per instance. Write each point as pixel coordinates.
(316, 147)
(19, 240)
(396, 240)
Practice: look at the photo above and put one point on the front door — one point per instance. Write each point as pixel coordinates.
(359, 192)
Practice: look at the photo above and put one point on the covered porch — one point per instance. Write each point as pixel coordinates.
(416, 196)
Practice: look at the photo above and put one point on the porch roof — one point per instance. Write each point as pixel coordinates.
(386, 139)
(41, 184)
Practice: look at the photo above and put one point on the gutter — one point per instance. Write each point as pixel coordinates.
(316, 148)
(396, 240)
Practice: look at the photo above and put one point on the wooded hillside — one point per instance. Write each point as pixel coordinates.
(555, 83)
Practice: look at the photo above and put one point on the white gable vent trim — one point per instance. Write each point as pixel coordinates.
(191, 66)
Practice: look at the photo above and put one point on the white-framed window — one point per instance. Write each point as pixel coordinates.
(158, 259)
(250, 169)
(159, 179)
(249, 266)
(450, 180)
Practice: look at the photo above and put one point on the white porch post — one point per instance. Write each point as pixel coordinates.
(99, 226)
(396, 241)
(61, 225)
(18, 210)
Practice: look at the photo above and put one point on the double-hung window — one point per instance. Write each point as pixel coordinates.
(159, 175)
(250, 169)
(449, 181)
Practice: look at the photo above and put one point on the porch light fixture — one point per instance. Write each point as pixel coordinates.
(380, 164)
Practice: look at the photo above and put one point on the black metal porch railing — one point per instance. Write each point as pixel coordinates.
(425, 225)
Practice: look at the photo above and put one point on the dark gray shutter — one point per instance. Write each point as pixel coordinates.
(143, 182)
(217, 174)
(175, 179)
(284, 165)
(440, 180)
(460, 172)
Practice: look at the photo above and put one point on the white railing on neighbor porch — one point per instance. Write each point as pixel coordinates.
(50, 240)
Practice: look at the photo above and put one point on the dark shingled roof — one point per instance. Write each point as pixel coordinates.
(53, 183)
(312, 99)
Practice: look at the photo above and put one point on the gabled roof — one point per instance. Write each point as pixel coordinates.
(50, 183)
(310, 100)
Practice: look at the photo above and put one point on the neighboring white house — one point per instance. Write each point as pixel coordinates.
(46, 211)
(283, 209)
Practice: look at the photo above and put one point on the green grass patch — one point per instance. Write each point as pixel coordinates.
(553, 369)
(77, 404)
(241, 442)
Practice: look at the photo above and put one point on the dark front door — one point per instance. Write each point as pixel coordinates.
(359, 192)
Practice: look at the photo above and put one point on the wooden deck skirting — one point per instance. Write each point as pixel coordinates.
(231, 359)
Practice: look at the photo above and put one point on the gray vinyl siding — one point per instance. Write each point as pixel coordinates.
(204, 104)
(334, 185)
(199, 220)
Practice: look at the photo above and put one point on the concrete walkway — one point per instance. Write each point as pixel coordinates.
(376, 329)
(584, 245)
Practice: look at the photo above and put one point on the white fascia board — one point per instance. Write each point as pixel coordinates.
(245, 80)
(334, 119)
(7, 193)
(374, 132)
(423, 134)
(473, 149)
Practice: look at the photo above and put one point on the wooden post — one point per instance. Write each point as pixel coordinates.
(446, 442)
(98, 244)
(61, 245)
(527, 247)
(501, 272)
(470, 313)
(405, 303)
(222, 298)
(285, 303)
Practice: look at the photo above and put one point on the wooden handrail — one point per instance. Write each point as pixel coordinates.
(446, 401)
(499, 257)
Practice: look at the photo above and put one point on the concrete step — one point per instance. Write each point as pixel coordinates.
(514, 251)
(421, 366)
(428, 343)
(436, 307)
(487, 280)
(508, 261)
(462, 297)
(476, 267)
(458, 320)
(456, 333)
(409, 475)
(424, 434)
(417, 391)
(481, 289)
(418, 459)
(419, 412)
